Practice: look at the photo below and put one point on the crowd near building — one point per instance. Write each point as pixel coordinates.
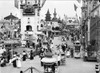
(30, 36)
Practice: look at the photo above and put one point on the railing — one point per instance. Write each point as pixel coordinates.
(31, 70)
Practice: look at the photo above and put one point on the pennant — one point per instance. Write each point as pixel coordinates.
(75, 7)
(41, 3)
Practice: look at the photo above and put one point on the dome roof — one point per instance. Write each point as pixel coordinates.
(55, 19)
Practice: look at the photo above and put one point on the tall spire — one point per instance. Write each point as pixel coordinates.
(54, 18)
(48, 12)
(48, 16)
(54, 13)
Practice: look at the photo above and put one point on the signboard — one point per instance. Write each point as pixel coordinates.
(72, 21)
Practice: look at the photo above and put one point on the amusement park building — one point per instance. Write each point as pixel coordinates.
(10, 26)
(51, 26)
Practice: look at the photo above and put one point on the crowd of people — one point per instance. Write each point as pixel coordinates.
(15, 58)
(10, 57)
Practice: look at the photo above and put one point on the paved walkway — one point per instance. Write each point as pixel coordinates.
(77, 66)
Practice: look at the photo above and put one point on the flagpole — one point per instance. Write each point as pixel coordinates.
(88, 25)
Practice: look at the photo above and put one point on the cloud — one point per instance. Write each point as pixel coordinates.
(7, 7)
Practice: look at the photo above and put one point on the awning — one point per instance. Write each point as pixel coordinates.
(48, 60)
(40, 33)
(11, 42)
(21, 49)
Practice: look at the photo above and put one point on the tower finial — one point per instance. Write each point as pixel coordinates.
(48, 12)
(10, 13)
(54, 13)
(48, 16)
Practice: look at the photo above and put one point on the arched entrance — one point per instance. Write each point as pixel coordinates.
(28, 28)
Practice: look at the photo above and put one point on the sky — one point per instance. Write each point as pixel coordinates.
(62, 7)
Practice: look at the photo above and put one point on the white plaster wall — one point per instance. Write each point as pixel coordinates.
(33, 22)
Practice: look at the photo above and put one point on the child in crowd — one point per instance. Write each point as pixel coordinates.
(24, 56)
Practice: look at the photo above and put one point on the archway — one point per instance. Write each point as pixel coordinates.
(28, 28)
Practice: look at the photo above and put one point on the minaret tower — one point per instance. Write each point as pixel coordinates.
(55, 14)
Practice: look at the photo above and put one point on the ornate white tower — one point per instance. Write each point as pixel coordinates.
(29, 13)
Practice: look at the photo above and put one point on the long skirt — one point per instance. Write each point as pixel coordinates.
(19, 63)
(24, 57)
(14, 63)
(31, 57)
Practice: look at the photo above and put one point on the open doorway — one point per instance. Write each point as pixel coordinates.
(28, 28)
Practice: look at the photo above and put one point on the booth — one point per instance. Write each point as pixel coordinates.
(49, 63)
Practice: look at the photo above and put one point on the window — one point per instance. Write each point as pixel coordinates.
(28, 10)
(41, 25)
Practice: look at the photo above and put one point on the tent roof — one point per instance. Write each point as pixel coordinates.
(10, 17)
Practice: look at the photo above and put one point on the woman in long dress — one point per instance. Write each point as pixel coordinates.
(13, 61)
(31, 55)
(24, 56)
(19, 61)
(68, 53)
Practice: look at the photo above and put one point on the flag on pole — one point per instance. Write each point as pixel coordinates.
(42, 2)
(16, 2)
(75, 7)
